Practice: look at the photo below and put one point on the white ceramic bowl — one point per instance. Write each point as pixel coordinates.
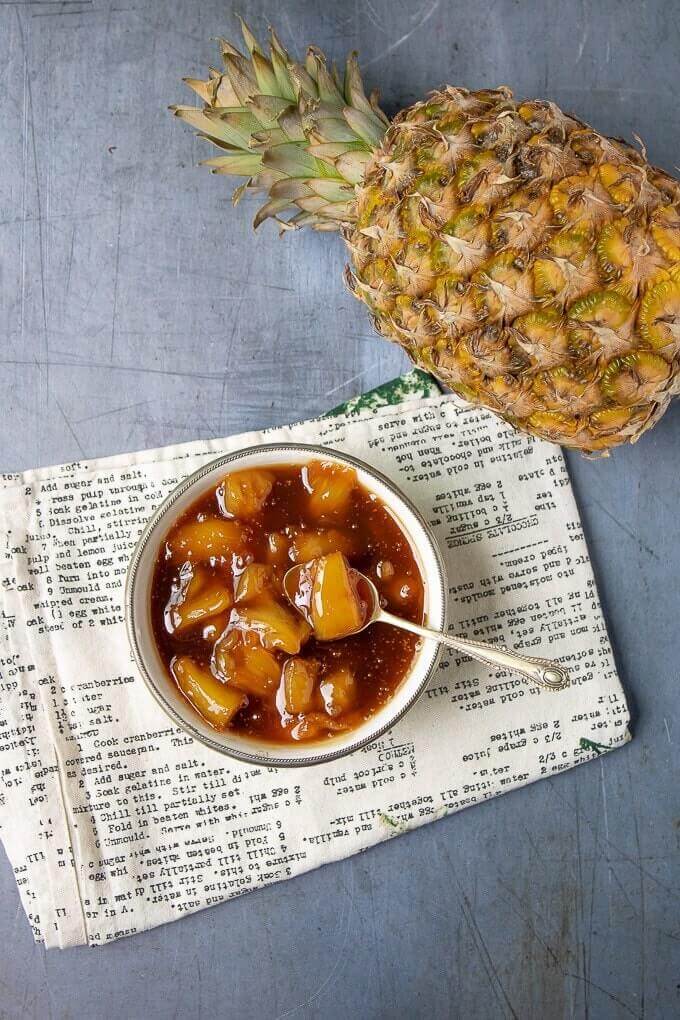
(138, 606)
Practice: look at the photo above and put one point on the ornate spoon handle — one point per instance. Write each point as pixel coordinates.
(543, 672)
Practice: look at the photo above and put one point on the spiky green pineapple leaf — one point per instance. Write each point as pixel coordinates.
(280, 120)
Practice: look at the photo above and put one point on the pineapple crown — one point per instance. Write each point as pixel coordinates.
(297, 131)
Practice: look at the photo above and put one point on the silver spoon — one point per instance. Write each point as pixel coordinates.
(543, 672)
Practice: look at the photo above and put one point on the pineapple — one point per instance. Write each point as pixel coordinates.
(310, 545)
(278, 548)
(339, 690)
(244, 493)
(247, 666)
(196, 597)
(255, 580)
(335, 609)
(330, 488)
(209, 539)
(298, 681)
(530, 263)
(276, 627)
(215, 701)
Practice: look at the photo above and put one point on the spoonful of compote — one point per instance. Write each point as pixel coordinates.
(337, 601)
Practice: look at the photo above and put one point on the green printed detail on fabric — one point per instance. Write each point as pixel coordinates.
(409, 386)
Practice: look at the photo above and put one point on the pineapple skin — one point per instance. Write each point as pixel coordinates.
(530, 263)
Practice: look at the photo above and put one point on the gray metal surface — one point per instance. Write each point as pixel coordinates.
(137, 309)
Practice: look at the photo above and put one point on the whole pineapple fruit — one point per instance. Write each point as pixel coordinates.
(530, 263)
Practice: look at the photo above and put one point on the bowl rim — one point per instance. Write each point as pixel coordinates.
(255, 758)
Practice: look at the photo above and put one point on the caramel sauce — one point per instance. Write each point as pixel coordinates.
(378, 657)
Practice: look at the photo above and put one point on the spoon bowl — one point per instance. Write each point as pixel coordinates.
(542, 672)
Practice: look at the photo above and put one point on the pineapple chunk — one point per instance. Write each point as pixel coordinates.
(249, 667)
(262, 665)
(339, 690)
(196, 597)
(207, 539)
(384, 570)
(335, 609)
(276, 626)
(314, 724)
(215, 626)
(214, 701)
(244, 493)
(309, 545)
(278, 545)
(256, 579)
(297, 685)
(329, 486)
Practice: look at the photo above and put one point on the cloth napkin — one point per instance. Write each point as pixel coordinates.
(115, 821)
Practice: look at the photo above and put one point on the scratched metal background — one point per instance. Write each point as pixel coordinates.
(137, 309)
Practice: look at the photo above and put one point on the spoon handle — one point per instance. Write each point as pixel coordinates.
(543, 672)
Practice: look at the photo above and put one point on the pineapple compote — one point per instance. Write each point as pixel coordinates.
(238, 651)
